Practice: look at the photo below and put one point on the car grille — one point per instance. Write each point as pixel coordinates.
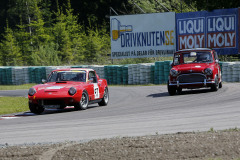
(52, 102)
(190, 78)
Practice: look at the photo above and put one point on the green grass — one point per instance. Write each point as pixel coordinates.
(14, 87)
(13, 105)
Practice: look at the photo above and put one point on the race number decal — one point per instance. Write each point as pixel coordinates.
(96, 91)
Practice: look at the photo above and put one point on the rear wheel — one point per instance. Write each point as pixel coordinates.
(171, 89)
(215, 86)
(105, 98)
(35, 108)
(83, 104)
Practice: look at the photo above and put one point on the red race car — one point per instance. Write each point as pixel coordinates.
(194, 68)
(69, 87)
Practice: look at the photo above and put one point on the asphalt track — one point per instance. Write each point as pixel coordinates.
(132, 111)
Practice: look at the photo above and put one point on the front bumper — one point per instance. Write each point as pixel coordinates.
(204, 84)
(192, 80)
(54, 102)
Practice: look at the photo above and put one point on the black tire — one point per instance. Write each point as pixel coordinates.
(215, 86)
(179, 90)
(220, 85)
(171, 89)
(83, 104)
(35, 108)
(62, 106)
(105, 98)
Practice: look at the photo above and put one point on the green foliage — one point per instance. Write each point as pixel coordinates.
(24, 43)
(97, 45)
(232, 130)
(210, 5)
(46, 55)
(10, 51)
(156, 6)
(211, 130)
(229, 58)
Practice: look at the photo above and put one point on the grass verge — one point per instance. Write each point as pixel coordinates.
(14, 87)
(13, 105)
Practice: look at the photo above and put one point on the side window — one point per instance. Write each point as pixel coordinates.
(93, 75)
(176, 59)
(52, 77)
(215, 56)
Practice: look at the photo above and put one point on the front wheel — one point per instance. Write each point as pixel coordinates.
(215, 86)
(220, 85)
(171, 89)
(35, 108)
(83, 104)
(179, 90)
(105, 98)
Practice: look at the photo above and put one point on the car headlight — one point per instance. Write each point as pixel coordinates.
(31, 91)
(173, 73)
(208, 71)
(72, 91)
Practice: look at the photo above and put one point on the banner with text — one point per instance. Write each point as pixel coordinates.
(217, 29)
(143, 35)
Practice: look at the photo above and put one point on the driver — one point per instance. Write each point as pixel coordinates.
(202, 57)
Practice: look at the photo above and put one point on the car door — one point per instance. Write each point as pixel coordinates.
(217, 64)
(94, 93)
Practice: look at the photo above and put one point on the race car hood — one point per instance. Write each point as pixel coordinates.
(57, 86)
(192, 67)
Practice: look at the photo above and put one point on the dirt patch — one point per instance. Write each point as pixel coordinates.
(203, 145)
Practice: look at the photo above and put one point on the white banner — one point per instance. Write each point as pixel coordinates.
(143, 35)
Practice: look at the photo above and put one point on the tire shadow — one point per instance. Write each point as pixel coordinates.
(54, 111)
(184, 92)
(157, 95)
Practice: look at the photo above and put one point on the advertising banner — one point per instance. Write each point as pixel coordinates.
(143, 35)
(217, 29)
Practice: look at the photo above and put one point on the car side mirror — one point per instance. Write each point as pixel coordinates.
(93, 80)
(90, 80)
(44, 81)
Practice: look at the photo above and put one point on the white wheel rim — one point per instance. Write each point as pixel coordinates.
(106, 96)
(84, 100)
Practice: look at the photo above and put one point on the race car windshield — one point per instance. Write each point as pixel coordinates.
(192, 57)
(67, 76)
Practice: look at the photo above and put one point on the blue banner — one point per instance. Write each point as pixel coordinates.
(217, 29)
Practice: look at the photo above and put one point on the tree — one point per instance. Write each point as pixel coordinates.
(38, 33)
(24, 43)
(210, 5)
(69, 35)
(97, 45)
(9, 49)
(46, 55)
(61, 38)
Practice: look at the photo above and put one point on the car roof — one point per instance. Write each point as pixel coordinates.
(195, 49)
(74, 69)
